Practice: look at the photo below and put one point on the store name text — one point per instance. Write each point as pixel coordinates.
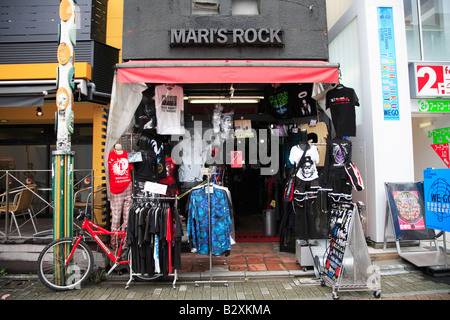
(222, 36)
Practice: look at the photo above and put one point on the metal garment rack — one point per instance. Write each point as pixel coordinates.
(158, 275)
(354, 271)
(208, 172)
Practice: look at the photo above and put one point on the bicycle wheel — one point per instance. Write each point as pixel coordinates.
(55, 274)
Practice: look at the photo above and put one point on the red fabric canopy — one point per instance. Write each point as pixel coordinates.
(227, 71)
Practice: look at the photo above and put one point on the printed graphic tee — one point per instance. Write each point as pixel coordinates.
(119, 171)
(303, 105)
(169, 106)
(308, 170)
(277, 101)
(342, 101)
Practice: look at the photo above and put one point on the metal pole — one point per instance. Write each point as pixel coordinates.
(7, 205)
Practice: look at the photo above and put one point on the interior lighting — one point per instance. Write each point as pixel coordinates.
(39, 112)
(223, 100)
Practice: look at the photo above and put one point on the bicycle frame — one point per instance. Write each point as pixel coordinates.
(95, 230)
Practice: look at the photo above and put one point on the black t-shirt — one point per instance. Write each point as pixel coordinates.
(146, 170)
(301, 101)
(145, 115)
(277, 101)
(342, 101)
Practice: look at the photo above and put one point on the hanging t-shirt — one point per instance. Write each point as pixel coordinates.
(119, 171)
(169, 104)
(146, 170)
(342, 101)
(145, 115)
(303, 105)
(277, 101)
(307, 170)
(193, 157)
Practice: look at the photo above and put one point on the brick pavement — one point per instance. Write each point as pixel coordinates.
(395, 286)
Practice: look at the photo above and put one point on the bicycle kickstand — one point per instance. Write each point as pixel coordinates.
(112, 269)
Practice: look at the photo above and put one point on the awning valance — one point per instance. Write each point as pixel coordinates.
(227, 71)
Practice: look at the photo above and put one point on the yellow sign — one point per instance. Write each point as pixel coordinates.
(62, 98)
(65, 10)
(63, 53)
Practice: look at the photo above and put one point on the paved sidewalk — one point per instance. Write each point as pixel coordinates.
(399, 281)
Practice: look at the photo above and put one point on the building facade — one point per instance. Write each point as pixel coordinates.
(392, 144)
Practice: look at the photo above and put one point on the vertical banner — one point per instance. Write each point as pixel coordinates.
(388, 58)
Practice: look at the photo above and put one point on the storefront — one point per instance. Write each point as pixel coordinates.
(228, 67)
(235, 89)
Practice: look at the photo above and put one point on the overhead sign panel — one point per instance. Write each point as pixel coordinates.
(429, 80)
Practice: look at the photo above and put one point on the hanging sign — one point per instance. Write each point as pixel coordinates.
(236, 159)
(430, 80)
(437, 198)
(443, 152)
(441, 135)
(434, 106)
(388, 57)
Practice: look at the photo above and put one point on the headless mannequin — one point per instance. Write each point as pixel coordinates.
(120, 200)
(304, 196)
(118, 148)
(303, 140)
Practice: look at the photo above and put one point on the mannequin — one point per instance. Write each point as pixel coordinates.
(152, 167)
(306, 156)
(120, 187)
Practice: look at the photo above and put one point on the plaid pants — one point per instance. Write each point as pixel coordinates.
(120, 207)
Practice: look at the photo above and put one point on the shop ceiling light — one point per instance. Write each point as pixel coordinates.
(39, 112)
(223, 100)
(425, 124)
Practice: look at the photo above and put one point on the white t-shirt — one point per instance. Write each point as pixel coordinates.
(193, 160)
(307, 170)
(169, 106)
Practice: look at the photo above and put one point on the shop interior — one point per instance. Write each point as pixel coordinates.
(252, 193)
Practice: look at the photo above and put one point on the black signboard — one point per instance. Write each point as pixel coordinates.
(407, 207)
(341, 217)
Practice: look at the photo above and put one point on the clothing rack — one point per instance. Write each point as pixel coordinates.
(208, 172)
(158, 275)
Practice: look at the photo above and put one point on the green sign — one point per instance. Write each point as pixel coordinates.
(440, 136)
(434, 105)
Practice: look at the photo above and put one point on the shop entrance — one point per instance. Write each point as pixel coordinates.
(206, 84)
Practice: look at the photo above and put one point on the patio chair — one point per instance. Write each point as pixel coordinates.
(83, 199)
(21, 206)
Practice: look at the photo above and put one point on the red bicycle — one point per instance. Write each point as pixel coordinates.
(67, 263)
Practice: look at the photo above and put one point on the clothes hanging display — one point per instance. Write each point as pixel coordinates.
(338, 156)
(305, 156)
(154, 236)
(194, 152)
(200, 210)
(300, 96)
(145, 115)
(169, 105)
(342, 102)
(152, 167)
(276, 98)
(318, 133)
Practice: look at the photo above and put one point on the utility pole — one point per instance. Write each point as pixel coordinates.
(62, 162)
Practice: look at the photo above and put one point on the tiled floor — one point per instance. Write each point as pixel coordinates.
(259, 256)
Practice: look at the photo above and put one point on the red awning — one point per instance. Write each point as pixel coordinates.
(227, 71)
